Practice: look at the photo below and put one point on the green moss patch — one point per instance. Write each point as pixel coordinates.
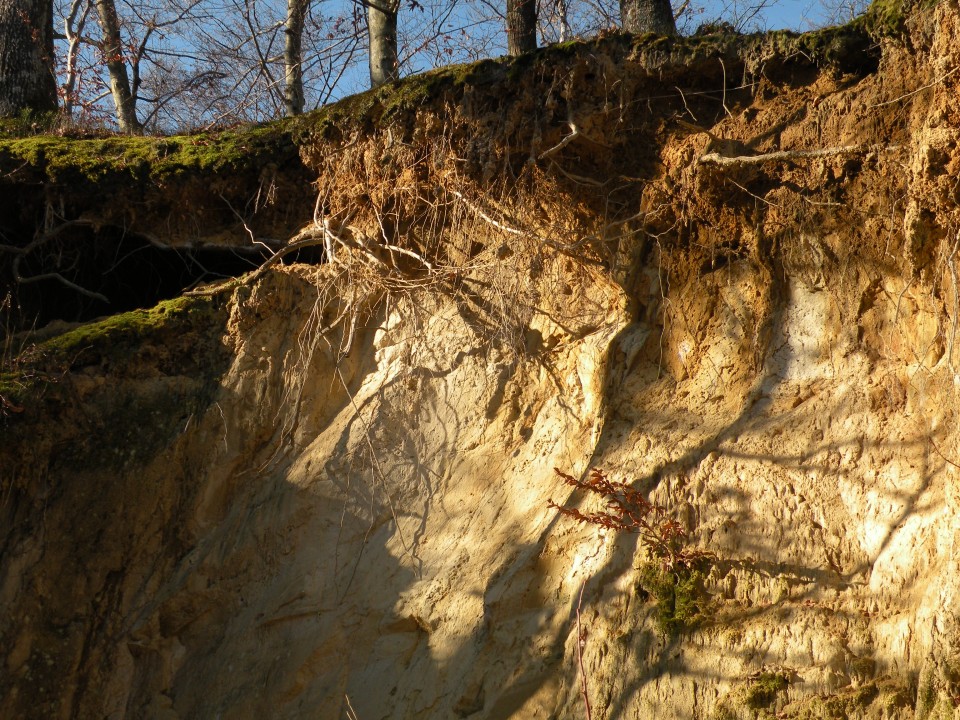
(679, 596)
(114, 392)
(371, 109)
(176, 337)
(48, 158)
(763, 689)
(113, 336)
(13, 387)
(884, 18)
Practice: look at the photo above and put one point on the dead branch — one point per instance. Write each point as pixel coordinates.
(782, 155)
(20, 253)
(311, 236)
(486, 218)
(723, 100)
(574, 134)
(308, 237)
(956, 304)
(751, 194)
(243, 222)
(581, 179)
(333, 225)
(410, 253)
(567, 139)
(60, 278)
(351, 713)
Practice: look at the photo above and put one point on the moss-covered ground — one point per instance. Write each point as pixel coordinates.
(185, 327)
(62, 159)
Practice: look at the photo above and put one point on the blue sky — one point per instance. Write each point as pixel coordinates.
(794, 15)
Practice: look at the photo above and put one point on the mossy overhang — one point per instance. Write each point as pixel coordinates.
(186, 190)
(106, 160)
(178, 336)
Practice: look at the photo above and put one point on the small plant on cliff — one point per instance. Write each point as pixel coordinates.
(674, 577)
(763, 688)
(627, 509)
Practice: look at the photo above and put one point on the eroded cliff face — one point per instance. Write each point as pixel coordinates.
(324, 493)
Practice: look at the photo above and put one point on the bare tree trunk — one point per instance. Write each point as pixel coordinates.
(563, 17)
(293, 56)
(123, 99)
(26, 57)
(382, 27)
(73, 26)
(643, 16)
(521, 26)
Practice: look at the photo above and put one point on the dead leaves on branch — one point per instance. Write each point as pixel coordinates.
(628, 510)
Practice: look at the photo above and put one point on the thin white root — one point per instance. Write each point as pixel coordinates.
(918, 90)
(308, 237)
(560, 247)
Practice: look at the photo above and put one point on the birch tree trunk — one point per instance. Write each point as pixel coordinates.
(73, 26)
(113, 54)
(293, 56)
(521, 26)
(563, 17)
(382, 28)
(26, 57)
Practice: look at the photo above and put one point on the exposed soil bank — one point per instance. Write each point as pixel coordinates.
(733, 284)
